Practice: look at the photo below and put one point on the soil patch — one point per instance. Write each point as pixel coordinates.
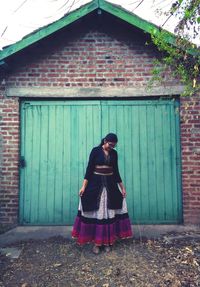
(169, 261)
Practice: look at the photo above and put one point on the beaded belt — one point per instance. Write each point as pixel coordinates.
(103, 170)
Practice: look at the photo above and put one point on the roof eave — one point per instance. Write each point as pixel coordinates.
(141, 24)
(84, 10)
(49, 29)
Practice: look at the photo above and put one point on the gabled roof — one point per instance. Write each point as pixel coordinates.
(84, 10)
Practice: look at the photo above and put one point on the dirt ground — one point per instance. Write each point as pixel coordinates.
(173, 260)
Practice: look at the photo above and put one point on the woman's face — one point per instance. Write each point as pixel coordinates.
(109, 145)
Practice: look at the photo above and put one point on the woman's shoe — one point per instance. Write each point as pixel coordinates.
(107, 248)
(96, 249)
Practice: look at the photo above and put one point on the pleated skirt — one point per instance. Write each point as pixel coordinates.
(103, 226)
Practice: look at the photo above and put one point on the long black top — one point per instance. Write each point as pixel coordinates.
(91, 197)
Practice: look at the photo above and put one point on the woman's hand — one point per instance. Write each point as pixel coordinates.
(81, 191)
(123, 192)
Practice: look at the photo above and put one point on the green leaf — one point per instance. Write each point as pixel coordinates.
(187, 14)
(198, 19)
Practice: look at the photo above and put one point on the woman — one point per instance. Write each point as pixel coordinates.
(102, 213)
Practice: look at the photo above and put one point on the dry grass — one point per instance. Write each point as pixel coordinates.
(61, 263)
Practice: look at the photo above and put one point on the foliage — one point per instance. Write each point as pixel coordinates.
(188, 12)
(181, 55)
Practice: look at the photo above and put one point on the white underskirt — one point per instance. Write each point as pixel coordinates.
(103, 212)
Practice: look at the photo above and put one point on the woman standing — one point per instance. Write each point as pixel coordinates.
(102, 213)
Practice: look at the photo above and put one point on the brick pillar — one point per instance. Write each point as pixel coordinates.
(9, 156)
(190, 139)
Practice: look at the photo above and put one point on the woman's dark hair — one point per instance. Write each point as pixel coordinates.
(110, 138)
(102, 142)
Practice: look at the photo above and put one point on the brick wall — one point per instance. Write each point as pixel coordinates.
(90, 54)
(93, 61)
(9, 155)
(85, 57)
(190, 138)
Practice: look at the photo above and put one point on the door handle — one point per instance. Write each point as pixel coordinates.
(22, 162)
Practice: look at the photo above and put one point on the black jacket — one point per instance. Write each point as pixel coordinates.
(91, 197)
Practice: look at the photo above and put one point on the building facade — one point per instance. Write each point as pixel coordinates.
(67, 85)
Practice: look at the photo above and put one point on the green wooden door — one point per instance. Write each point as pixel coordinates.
(149, 157)
(56, 139)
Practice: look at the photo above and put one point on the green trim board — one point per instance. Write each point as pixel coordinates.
(48, 30)
(84, 10)
(131, 18)
(140, 23)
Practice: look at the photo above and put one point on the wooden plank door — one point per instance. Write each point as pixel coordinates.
(149, 157)
(56, 138)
